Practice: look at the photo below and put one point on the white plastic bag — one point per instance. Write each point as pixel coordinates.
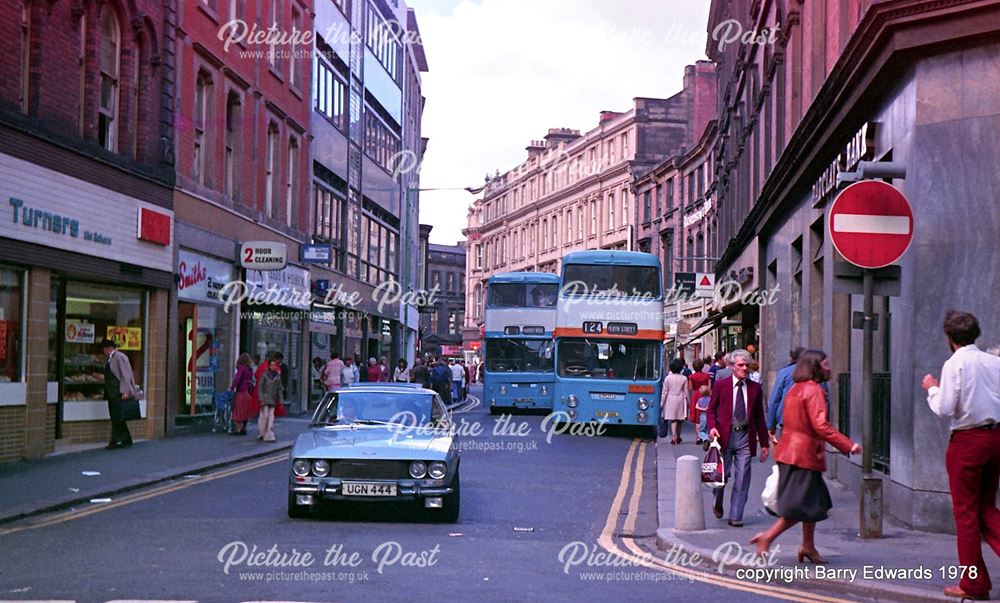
(770, 494)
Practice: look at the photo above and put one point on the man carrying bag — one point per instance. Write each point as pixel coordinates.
(122, 394)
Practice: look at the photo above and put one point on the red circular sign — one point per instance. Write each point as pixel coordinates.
(871, 224)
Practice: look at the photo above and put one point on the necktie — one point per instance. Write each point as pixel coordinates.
(740, 412)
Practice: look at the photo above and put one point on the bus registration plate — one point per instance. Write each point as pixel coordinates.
(606, 414)
(369, 489)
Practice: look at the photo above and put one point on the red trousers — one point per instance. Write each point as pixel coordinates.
(973, 462)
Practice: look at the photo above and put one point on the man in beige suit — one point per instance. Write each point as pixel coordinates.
(119, 384)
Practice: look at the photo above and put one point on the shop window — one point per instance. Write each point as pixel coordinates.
(93, 312)
(11, 322)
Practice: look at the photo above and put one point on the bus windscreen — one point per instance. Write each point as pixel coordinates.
(597, 358)
(588, 279)
(519, 355)
(523, 295)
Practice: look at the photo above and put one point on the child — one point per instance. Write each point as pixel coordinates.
(702, 406)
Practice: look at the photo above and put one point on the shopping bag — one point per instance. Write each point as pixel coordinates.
(279, 409)
(770, 494)
(126, 410)
(713, 470)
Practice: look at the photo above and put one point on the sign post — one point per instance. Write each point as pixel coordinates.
(871, 226)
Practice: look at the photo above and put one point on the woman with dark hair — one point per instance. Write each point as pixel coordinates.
(242, 385)
(675, 401)
(695, 380)
(802, 493)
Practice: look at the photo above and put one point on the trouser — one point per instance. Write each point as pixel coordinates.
(456, 391)
(703, 425)
(736, 458)
(973, 463)
(444, 391)
(265, 423)
(119, 429)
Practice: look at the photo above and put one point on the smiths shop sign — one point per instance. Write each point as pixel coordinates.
(263, 255)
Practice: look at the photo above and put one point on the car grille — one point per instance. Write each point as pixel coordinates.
(354, 469)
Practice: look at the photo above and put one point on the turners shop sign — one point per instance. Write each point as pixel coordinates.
(39, 219)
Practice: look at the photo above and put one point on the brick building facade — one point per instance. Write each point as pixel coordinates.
(85, 179)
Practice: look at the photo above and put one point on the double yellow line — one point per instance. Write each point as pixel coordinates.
(72, 514)
(634, 465)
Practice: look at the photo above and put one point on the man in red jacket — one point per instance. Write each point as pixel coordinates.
(736, 418)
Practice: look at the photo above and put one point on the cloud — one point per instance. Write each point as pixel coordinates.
(504, 71)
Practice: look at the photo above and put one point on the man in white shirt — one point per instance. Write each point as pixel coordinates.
(457, 377)
(969, 395)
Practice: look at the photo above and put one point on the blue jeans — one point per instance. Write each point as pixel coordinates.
(703, 425)
(456, 391)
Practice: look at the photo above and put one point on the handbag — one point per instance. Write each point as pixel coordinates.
(280, 410)
(713, 469)
(769, 497)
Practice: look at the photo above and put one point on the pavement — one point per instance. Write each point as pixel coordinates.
(836, 539)
(61, 480)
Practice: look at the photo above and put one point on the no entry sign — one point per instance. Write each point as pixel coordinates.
(871, 224)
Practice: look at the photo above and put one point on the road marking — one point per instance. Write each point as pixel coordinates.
(869, 224)
(644, 558)
(72, 514)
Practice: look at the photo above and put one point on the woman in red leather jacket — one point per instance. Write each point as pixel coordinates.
(801, 458)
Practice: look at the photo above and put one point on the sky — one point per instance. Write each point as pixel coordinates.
(502, 72)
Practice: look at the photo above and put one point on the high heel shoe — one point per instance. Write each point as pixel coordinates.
(758, 539)
(812, 556)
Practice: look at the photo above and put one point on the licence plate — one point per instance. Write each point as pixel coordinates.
(368, 489)
(606, 413)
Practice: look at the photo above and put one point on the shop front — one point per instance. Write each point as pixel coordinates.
(206, 355)
(278, 322)
(79, 263)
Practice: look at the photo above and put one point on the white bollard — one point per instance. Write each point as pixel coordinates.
(689, 508)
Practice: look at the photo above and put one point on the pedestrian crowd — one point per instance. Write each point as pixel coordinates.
(723, 396)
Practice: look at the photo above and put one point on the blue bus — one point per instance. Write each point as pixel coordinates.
(520, 316)
(609, 339)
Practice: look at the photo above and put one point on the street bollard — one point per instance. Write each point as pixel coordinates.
(689, 508)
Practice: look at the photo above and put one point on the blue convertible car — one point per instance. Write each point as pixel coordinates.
(377, 443)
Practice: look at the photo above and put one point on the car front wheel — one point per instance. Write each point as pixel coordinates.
(452, 502)
(295, 510)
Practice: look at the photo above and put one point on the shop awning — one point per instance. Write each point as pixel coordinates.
(710, 322)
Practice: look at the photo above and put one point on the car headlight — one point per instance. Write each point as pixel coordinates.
(571, 401)
(641, 416)
(503, 390)
(544, 390)
(643, 404)
(437, 470)
(418, 469)
(301, 467)
(321, 468)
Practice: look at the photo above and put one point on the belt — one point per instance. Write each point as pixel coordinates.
(739, 428)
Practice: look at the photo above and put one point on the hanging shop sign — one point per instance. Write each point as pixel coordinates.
(263, 255)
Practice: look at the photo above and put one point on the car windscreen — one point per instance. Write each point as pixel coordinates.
(345, 408)
(518, 355)
(588, 279)
(609, 359)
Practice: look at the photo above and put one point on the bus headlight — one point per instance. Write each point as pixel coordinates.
(571, 401)
(301, 467)
(418, 469)
(437, 470)
(571, 414)
(643, 404)
(503, 390)
(321, 468)
(641, 416)
(544, 390)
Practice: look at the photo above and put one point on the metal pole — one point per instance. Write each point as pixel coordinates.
(871, 490)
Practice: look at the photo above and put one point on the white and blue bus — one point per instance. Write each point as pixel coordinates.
(609, 339)
(520, 317)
